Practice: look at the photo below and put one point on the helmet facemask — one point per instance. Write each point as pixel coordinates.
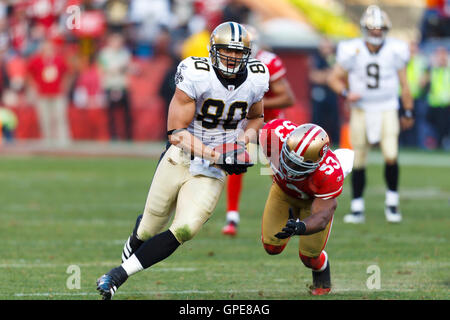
(303, 151)
(375, 25)
(295, 167)
(230, 36)
(223, 61)
(375, 40)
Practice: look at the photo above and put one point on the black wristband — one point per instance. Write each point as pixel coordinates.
(170, 132)
(257, 117)
(408, 114)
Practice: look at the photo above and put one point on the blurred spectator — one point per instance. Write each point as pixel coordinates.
(48, 72)
(196, 45)
(208, 14)
(436, 20)
(325, 106)
(4, 31)
(91, 29)
(117, 14)
(18, 26)
(437, 79)
(114, 60)
(8, 123)
(167, 86)
(211, 11)
(414, 71)
(236, 11)
(200, 25)
(88, 91)
(14, 77)
(148, 17)
(45, 13)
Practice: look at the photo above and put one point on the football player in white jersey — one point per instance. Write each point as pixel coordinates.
(215, 97)
(375, 69)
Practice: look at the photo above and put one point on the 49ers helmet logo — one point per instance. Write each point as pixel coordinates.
(303, 150)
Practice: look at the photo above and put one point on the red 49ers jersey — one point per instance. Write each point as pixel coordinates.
(276, 71)
(325, 183)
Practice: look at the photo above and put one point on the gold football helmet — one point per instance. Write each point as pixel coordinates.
(375, 24)
(303, 151)
(231, 36)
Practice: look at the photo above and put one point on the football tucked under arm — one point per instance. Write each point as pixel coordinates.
(345, 157)
(234, 158)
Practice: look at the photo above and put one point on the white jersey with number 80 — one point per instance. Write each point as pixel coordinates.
(220, 108)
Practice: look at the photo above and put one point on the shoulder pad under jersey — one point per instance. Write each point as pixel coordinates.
(258, 74)
(400, 50)
(190, 71)
(346, 52)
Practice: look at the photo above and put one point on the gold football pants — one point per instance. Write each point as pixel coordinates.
(276, 214)
(390, 130)
(173, 188)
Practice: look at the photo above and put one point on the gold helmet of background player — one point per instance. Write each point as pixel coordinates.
(229, 35)
(375, 25)
(255, 39)
(303, 150)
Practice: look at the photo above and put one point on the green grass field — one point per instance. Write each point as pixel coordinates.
(59, 212)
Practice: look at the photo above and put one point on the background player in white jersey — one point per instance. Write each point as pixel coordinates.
(375, 69)
(214, 98)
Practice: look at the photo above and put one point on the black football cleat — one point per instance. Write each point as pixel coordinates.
(108, 283)
(321, 282)
(106, 287)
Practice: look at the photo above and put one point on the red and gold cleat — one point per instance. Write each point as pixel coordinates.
(320, 291)
(230, 229)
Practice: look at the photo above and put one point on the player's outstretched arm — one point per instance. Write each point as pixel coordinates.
(181, 113)
(321, 213)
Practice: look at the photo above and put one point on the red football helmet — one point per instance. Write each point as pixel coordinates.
(303, 151)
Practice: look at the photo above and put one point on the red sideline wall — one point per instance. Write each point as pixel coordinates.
(296, 64)
(148, 110)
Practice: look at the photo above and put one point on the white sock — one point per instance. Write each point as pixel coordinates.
(357, 205)
(132, 265)
(233, 216)
(392, 198)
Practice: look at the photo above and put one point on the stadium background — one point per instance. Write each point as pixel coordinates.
(63, 211)
(291, 28)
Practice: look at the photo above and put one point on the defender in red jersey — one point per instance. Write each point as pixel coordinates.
(307, 179)
(279, 97)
